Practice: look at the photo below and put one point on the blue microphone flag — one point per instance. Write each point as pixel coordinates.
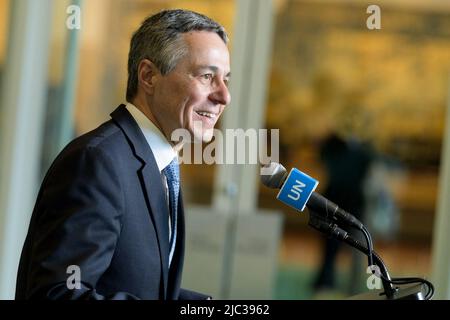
(297, 189)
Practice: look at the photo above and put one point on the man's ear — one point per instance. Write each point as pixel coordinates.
(147, 75)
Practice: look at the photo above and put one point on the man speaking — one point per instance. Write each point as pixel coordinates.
(110, 207)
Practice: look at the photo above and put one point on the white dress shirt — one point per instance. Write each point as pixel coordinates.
(161, 148)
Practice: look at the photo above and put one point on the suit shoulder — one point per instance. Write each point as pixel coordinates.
(107, 136)
(105, 142)
(99, 147)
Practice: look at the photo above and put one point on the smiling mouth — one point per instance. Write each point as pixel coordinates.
(205, 114)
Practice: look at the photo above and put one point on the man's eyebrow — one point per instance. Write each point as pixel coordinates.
(215, 69)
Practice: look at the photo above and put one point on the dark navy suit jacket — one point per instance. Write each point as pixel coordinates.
(102, 207)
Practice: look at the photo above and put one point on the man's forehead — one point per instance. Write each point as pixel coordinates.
(201, 41)
(207, 50)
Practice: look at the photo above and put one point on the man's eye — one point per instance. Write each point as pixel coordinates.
(207, 76)
(226, 81)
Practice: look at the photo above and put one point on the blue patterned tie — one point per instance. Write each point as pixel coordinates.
(172, 173)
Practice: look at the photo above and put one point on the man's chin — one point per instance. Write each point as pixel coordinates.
(205, 136)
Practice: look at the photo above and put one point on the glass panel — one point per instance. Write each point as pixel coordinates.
(4, 15)
(57, 67)
(338, 90)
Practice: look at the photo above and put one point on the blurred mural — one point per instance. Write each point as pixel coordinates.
(384, 88)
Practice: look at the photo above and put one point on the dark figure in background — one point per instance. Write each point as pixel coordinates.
(347, 164)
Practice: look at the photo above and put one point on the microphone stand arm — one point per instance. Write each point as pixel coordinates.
(331, 228)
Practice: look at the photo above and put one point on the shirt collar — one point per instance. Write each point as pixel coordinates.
(161, 148)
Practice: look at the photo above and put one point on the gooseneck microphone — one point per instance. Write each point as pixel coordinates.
(297, 191)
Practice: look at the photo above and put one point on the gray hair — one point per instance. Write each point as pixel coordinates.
(159, 40)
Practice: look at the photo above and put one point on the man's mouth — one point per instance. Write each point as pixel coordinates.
(206, 114)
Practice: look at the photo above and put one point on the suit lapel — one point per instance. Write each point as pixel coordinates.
(151, 182)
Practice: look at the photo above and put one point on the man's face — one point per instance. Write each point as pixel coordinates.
(196, 89)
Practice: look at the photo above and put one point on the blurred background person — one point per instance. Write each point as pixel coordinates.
(347, 163)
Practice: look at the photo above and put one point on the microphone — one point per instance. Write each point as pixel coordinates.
(297, 191)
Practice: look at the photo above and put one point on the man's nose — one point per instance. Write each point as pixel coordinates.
(221, 94)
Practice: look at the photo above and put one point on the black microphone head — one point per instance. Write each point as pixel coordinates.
(273, 175)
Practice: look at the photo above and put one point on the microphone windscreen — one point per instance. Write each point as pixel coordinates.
(274, 175)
